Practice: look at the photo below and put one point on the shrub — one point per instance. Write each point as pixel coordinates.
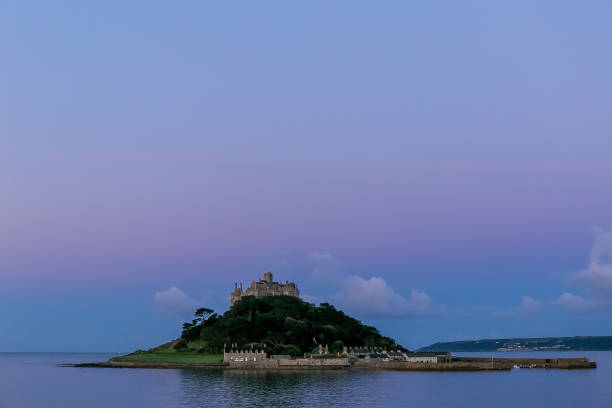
(181, 344)
(289, 349)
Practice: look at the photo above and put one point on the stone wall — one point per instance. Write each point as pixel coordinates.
(422, 359)
(563, 363)
(243, 356)
(312, 362)
(297, 363)
(408, 366)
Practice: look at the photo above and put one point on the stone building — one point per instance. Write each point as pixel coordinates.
(264, 287)
(243, 358)
(428, 357)
(378, 354)
(239, 355)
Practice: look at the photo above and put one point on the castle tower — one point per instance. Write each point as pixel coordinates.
(236, 294)
(264, 287)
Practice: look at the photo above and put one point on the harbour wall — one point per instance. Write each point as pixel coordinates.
(559, 363)
(422, 366)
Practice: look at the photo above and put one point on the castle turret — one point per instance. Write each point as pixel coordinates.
(236, 294)
(267, 277)
(265, 287)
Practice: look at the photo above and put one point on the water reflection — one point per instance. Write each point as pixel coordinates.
(36, 381)
(271, 388)
(350, 388)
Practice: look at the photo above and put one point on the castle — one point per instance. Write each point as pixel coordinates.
(265, 287)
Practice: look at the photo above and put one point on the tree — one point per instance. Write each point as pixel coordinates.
(181, 344)
(281, 321)
(203, 312)
(204, 318)
(289, 349)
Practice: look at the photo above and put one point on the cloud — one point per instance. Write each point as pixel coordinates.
(374, 297)
(325, 267)
(597, 278)
(315, 300)
(366, 297)
(528, 306)
(175, 301)
(576, 304)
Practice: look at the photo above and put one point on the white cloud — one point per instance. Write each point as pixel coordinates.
(528, 306)
(366, 297)
(576, 304)
(598, 276)
(325, 267)
(175, 301)
(315, 300)
(374, 297)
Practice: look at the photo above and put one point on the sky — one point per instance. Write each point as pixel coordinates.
(441, 170)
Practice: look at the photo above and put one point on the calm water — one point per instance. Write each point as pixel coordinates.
(35, 380)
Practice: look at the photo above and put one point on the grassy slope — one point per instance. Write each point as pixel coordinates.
(167, 354)
(176, 357)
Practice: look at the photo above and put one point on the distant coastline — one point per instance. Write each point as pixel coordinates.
(577, 343)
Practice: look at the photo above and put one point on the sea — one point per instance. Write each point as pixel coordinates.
(40, 380)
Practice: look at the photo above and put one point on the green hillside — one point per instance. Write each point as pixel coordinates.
(527, 344)
(279, 325)
(275, 324)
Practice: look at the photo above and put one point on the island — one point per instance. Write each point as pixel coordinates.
(268, 326)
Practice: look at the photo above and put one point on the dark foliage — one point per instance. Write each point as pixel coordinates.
(204, 318)
(283, 325)
(181, 344)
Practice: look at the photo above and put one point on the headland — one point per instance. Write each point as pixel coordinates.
(576, 343)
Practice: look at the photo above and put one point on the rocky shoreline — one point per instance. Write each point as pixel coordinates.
(156, 365)
(460, 364)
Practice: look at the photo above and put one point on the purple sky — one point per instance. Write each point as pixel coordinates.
(448, 163)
